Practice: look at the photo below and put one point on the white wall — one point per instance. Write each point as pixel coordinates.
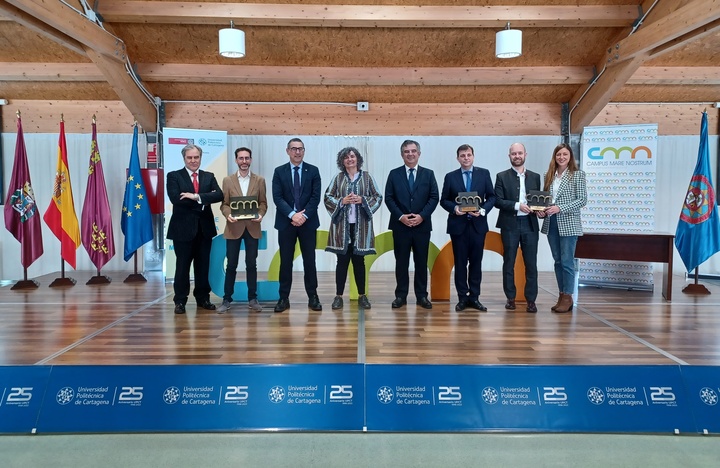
(676, 160)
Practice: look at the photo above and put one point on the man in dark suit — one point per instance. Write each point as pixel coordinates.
(467, 229)
(242, 183)
(192, 227)
(518, 225)
(411, 195)
(296, 191)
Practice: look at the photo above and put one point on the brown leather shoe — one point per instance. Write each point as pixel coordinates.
(566, 304)
(557, 303)
(531, 307)
(510, 304)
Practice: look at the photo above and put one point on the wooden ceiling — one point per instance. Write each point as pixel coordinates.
(582, 52)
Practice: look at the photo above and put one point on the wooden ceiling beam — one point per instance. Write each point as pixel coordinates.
(351, 76)
(105, 50)
(69, 22)
(682, 22)
(129, 92)
(664, 23)
(11, 13)
(369, 76)
(361, 16)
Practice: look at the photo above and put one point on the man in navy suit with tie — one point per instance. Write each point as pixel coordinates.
(296, 191)
(192, 227)
(467, 229)
(411, 195)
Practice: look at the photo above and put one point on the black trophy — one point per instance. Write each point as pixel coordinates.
(538, 200)
(244, 207)
(468, 201)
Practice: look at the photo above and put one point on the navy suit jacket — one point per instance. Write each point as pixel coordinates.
(422, 200)
(188, 215)
(455, 183)
(282, 191)
(507, 190)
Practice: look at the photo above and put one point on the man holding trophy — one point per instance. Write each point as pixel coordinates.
(468, 196)
(244, 205)
(518, 197)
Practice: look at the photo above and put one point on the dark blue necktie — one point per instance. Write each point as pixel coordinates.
(296, 187)
(468, 182)
(411, 179)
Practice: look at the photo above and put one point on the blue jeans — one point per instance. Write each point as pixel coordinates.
(563, 252)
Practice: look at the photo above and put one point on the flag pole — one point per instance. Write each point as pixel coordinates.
(97, 236)
(135, 277)
(25, 283)
(696, 287)
(31, 232)
(63, 280)
(134, 163)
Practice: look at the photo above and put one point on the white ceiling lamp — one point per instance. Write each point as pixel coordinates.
(232, 42)
(508, 43)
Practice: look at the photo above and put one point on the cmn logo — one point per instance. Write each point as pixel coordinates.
(596, 153)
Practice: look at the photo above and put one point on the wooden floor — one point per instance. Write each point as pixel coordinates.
(135, 324)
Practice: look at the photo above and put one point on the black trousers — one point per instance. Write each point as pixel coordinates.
(418, 243)
(197, 253)
(233, 253)
(343, 262)
(527, 239)
(287, 238)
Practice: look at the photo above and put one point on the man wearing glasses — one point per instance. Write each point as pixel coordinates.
(242, 183)
(296, 191)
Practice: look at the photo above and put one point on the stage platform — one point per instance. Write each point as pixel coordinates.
(647, 351)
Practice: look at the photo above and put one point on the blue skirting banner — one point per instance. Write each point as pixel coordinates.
(527, 398)
(357, 397)
(22, 389)
(203, 398)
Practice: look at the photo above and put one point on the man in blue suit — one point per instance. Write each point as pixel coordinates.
(296, 191)
(467, 229)
(411, 195)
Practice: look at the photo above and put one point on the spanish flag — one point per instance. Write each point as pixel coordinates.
(60, 215)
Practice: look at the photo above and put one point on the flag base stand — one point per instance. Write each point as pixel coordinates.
(62, 282)
(25, 284)
(135, 278)
(696, 288)
(99, 279)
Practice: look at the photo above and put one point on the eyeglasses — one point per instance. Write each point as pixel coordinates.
(296, 149)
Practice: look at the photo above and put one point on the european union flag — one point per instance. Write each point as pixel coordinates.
(136, 221)
(697, 237)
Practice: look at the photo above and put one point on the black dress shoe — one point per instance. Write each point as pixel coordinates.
(531, 307)
(179, 308)
(460, 306)
(282, 304)
(510, 304)
(314, 303)
(337, 303)
(477, 305)
(398, 302)
(424, 303)
(207, 305)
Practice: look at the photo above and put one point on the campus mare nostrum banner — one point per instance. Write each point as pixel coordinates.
(620, 163)
(359, 397)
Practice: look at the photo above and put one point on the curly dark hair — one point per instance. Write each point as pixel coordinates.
(346, 151)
